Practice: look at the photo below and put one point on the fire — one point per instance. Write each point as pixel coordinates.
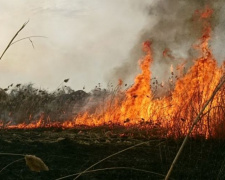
(176, 112)
(173, 113)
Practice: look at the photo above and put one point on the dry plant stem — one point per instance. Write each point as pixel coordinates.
(108, 158)
(222, 81)
(114, 168)
(27, 38)
(12, 154)
(13, 39)
(79, 174)
(11, 164)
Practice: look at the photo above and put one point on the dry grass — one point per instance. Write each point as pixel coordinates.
(34, 163)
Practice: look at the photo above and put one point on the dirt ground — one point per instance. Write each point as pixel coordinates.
(71, 151)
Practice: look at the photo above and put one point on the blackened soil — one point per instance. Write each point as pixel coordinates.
(68, 152)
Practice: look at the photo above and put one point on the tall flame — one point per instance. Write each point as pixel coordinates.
(176, 112)
(173, 113)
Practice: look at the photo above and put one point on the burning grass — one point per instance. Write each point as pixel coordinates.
(143, 105)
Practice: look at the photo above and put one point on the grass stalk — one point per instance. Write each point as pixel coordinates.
(86, 170)
(139, 144)
(11, 164)
(222, 81)
(27, 38)
(114, 168)
(12, 154)
(13, 39)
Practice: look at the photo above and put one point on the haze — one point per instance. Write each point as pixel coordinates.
(86, 40)
(99, 41)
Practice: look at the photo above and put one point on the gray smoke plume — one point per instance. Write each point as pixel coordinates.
(175, 29)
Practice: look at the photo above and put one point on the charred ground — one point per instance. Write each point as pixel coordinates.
(72, 151)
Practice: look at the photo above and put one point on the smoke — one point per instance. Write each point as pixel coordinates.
(175, 29)
(99, 41)
(86, 39)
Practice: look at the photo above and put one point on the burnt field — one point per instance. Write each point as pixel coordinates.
(122, 132)
(72, 151)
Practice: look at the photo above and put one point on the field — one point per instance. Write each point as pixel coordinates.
(123, 132)
(71, 151)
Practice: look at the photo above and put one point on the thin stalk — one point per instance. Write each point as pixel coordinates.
(13, 39)
(27, 38)
(12, 154)
(222, 81)
(11, 164)
(109, 157)
(114, 168)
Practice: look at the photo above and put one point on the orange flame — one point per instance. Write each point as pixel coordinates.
(173, 113)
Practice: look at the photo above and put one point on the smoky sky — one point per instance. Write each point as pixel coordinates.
(174, 29)
(99, 41)
(86, 39)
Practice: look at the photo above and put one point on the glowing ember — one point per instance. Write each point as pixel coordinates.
(173, 113)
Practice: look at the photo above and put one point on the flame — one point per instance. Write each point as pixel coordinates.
(173, 113)
(176, 112)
